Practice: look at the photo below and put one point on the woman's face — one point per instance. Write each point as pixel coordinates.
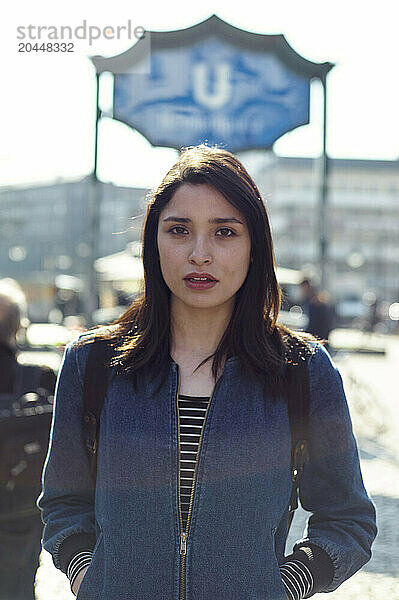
(199, 231)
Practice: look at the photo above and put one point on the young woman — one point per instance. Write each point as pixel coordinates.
(194, 479)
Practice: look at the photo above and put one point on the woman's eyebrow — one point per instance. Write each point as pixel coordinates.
(216, 220)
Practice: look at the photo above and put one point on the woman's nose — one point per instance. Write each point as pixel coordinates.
(200, 251)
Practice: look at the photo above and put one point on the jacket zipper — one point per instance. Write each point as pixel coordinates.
(184, 534)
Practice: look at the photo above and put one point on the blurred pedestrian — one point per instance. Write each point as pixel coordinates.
(20, 537)
(373, 316)
(320, 311)
(194, 476)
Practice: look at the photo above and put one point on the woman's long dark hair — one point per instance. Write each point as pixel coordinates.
(141, 335)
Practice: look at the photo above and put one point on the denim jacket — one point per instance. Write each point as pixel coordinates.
(238, 521)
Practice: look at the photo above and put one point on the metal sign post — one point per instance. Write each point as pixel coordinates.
(324, 194)
(94, 211)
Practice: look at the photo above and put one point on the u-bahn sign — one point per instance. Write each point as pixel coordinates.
(213, 83)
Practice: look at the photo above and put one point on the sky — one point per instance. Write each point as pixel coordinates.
(47, 101)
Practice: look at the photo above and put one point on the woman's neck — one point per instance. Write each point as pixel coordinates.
(197, 331)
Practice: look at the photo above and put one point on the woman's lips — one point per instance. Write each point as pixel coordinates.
(200, 285)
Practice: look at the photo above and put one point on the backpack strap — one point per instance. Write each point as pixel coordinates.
(298, 404)
(95, 386)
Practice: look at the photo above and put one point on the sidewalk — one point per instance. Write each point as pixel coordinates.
(355, 340)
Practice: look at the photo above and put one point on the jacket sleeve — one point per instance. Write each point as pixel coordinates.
(343, 520)
(67, 498)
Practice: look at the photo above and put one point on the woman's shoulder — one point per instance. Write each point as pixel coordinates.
(321, 361)
(80, 346)
(298, 345)
(86, 338)
(324, 375)
(325, 382)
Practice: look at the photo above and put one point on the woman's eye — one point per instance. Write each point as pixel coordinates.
(228, 230)
(176, 227)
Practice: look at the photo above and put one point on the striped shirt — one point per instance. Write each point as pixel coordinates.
(192, 411)
(298, 570)
(297, 579)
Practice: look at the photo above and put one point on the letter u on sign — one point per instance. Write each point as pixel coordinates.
(203, 94)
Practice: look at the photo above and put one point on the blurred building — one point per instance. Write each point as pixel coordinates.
(45, 232)
(362, 222)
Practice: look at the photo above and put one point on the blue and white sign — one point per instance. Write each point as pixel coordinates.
(213, 92)
(214, 83)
